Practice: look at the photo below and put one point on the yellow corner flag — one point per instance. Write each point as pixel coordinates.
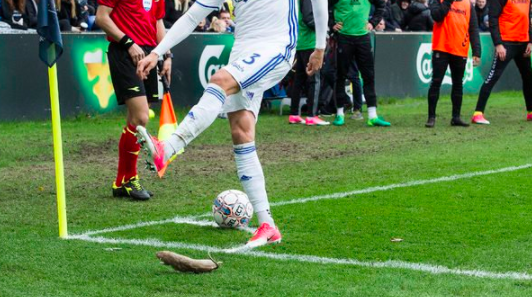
(50, 49)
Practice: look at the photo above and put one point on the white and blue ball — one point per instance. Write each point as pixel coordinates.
(232, 209)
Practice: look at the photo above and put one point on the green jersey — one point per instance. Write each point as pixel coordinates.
(306, 38)
(354, 15)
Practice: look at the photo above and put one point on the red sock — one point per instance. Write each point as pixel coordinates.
(128, 153)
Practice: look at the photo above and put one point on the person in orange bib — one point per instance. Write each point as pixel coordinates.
(509, 22)
(454, 29)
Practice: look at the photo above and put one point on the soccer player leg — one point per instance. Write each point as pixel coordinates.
(524, 66)
(203, 114)
(440, 61)
(344, 58)
(458, 66)
(243, 109)
(366, 66)
(497, 68)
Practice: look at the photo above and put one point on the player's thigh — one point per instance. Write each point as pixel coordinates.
(254, 80)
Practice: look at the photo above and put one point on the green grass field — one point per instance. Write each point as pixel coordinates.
(462, 236)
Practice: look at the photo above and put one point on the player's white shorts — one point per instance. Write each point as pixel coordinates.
(255, 72)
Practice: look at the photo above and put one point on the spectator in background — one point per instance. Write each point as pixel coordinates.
(67, 13)
(14, 13)
(456, 24)
(226, 17)
(481, 9)
(381, 27)
(217, 26)
(417, 17)
(398, 11)
(354, 44)
(389, 22)
(31, 12)
(174, 9)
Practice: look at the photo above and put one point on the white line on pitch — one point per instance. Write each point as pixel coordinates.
(402, 185)
(392, 186)
(192, 220)
(432, 269)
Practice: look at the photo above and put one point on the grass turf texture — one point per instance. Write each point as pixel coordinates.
(481, 223)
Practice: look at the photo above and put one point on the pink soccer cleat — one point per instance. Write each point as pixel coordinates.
(155, 150)
(529, 116)
(478, 118)
(316, 121)
(295, 119)
(264, 235)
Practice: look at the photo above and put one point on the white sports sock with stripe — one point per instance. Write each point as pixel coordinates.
(252, 179)
(201, 116)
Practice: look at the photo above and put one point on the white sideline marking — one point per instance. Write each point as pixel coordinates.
(392, 186)
(403, 185)
(194, 220)
(432, 269)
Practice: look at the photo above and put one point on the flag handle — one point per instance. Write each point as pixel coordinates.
(58, 150)
(166, 85)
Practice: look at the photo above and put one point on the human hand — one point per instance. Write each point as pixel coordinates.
(315, 61)
(145, 65)
(476, 61)
(167, 70)
(136, 53)
(369, 26)
(528, 50)
(500, 51)
(338, 26)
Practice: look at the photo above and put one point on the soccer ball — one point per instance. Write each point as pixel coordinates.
(232, 209)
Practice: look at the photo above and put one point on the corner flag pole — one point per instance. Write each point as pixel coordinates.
(50, 49)
(58, 149)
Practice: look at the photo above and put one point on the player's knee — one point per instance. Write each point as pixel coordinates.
(225, 81)
(140, 120)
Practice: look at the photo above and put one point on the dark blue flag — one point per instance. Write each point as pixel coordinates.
(50, 42)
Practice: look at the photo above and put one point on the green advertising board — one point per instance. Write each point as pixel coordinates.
(195, 60)
(404, 66)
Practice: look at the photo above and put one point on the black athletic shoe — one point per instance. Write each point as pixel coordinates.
(430, 123)
(132, 189)
(458, 122)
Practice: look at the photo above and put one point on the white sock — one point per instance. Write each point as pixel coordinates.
(251, 177)
(340, 111)
(372, 112)
(201, 116)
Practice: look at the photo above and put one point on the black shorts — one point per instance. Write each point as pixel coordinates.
(124, 75)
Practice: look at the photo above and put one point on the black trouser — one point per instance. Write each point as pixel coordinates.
(514, 51)
(353, 75)
(302, 81)
(440, 62)
(357, 49)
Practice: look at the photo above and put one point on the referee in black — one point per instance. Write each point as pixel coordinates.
(133, 29)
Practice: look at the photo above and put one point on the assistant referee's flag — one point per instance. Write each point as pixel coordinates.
(50, 49)
(50, 42)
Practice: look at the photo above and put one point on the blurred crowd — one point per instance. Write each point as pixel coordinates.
(79, 15)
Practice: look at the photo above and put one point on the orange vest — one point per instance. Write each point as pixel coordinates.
(452, 35)
(514, 21)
